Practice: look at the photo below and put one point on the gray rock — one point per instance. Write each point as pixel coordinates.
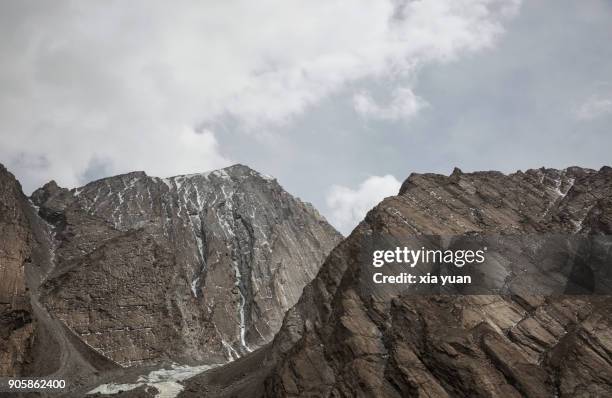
(343, 341)
(138, 270)
(16, 326)
(189, 268)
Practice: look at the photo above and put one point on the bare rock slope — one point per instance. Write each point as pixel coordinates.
(135, 269)
(16, 327)
(185, 268)
(342, 341)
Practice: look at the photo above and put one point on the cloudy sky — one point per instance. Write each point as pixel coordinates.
(340, 100)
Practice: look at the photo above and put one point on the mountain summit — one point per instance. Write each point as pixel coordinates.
(134, 269)
(341, 340)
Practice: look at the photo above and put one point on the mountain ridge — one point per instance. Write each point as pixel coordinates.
(190, 268)
(340, 340)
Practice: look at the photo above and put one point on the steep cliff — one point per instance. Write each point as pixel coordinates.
(33, 343)
(16, 326)
(190, 268)
(341, 340)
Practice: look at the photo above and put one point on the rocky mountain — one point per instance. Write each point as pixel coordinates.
(16, 327)
(133, 270)
(341, 340)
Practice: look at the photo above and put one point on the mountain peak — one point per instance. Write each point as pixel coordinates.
(236, 170)
(234, 249)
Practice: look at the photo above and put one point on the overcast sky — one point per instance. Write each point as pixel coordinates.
(340, 100)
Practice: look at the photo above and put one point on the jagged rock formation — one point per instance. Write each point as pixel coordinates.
(343, 341)
(187, 268)
(32, 342)
(135, 269)
(16, 327)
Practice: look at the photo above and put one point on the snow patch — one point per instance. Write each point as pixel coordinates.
(112, 388)
(167, 381)
(221, 174)
(577, 225)
(194, 286)
(197, 175)
(241, 309)
(231, 352)
(167, 182)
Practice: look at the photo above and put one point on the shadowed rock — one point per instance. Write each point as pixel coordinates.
(341, 340)
(134, 270)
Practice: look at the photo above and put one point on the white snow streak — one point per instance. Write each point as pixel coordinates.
(194, 286)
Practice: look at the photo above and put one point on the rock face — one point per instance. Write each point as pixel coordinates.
(342, 341)
(134, 269)
(16, 327)
(32, 343)
(190, 268)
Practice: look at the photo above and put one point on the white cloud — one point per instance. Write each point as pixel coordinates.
(349, 206)
(594, 107)
(403, 105)
(120, 80)
(201, 148)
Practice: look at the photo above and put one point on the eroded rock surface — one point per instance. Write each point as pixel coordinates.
(16, 326)
(342, 341)
(190, 268)
(32, 342)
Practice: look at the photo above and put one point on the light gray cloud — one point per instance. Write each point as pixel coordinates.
(505, 108)
(131, 81)
(349, 205)
(594, 107)
(96, 169)
(89, 89)
(404, 104)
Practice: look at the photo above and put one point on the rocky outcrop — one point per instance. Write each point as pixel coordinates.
(343, 341)
(135, 269)
(32, 342)
(16, 326)
(191, 268)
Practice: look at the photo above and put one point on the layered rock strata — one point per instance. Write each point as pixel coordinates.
(188, 268)
(136, 270)
(343, 341)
